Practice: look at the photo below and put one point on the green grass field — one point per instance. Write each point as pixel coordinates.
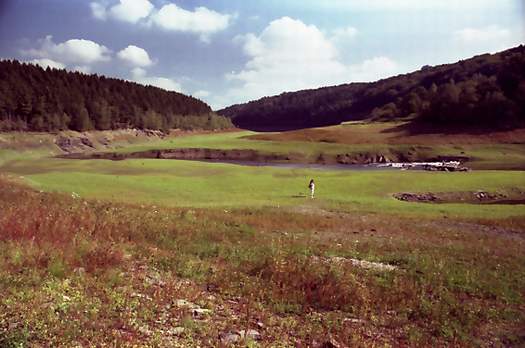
(198, 184)
(99, 252)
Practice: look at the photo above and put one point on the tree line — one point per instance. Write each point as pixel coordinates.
(37, 99)
(486, 91)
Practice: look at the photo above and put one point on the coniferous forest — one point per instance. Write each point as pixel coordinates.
(35, 99)
(484, 92)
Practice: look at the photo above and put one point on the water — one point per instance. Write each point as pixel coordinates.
(303, 165)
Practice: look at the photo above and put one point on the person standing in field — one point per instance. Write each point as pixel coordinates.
(311, 186)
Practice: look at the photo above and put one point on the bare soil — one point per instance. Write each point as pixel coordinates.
(390, 133)
(471, 197)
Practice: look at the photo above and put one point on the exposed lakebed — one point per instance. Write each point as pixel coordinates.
(512, 197)
(248, 157)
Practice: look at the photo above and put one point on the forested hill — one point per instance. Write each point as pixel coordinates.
(486, 91)
(32, 98)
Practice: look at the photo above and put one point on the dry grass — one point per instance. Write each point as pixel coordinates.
(91, 273)
(389, 133)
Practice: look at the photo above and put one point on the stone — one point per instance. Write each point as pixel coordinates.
(185, 304)
(176, 331)
(250, 334)
(200, 312)
(230, 338)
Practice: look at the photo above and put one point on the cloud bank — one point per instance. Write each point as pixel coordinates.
(289, 55)
(74, 52)
(488, 39)
(169, 17)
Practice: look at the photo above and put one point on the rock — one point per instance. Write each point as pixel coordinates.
(481, 195)
(416, 197)
(80, 271)
(176, 331)
(185, 304)
(154, 278)
(354, 321)
(200, 312)
(86, 141)
(230, 338)
(144, 330)
(372, 265)
(331, 343)
(376, 266)
(250, 334)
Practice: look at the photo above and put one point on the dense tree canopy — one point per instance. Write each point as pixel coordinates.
(486, 91)
(32, 98)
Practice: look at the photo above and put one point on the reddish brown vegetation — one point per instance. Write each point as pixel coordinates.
(93, 273)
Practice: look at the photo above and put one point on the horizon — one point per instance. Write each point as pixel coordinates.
(226, 53)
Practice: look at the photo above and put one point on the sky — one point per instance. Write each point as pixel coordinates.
(230, 51)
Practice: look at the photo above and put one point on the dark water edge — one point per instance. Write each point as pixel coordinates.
(353, 167)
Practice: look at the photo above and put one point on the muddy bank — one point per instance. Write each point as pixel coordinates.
(250, 156)
(191, 154)
(515, 196)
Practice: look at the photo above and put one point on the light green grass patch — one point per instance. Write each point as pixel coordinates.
(199, 184)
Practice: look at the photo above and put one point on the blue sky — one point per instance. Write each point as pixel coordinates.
(230, 51)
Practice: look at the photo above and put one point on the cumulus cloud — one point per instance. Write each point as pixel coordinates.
(344, 34)
(140, 75)
(135, 56)
(373, 69)
(45, 63)
(289, 55)
(130, 11)
(491, 39)
(171, 17)
(202, 20)
(98, 10)
(75, 51)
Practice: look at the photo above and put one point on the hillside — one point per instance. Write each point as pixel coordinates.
(35, 99)
(484, 92)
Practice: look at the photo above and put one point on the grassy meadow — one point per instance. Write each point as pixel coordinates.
(103, 253)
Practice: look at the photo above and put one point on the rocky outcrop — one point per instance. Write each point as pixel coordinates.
(361, 158)
(75, 142)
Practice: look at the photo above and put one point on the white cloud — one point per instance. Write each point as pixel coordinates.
(130, 11)
(135, 56)
(202, 20)
(171, 17)
(201, 94)
(45, 63)
(289, 55)
(75, 51)
(83, 69)
(403, 5)
(139, 75)
(486, 39)
(345, 34)
(373, 69)
(98, 10)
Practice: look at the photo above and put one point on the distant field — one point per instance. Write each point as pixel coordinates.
(501, 150)
(190, 183)
(360, 132)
